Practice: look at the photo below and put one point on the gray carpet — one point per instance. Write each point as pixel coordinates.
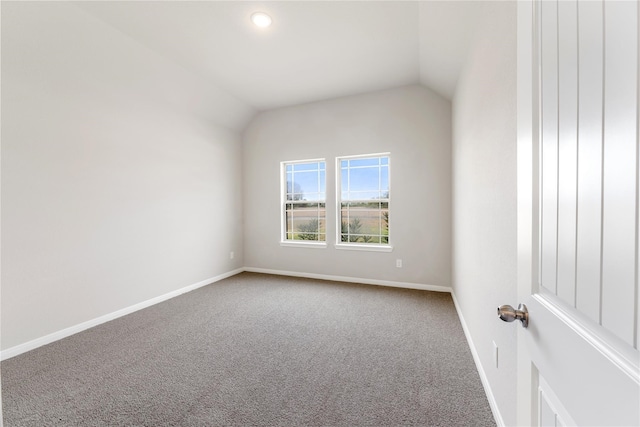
(258, 350)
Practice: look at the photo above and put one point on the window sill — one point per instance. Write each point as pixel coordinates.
(364, 247)
(302, 244)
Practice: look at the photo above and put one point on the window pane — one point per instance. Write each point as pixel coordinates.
(294, 191)
(364, 179)
(364, 221)
(353, 163)
(305, 221)
(363, 195)
(314, 166)
(303, 208)
(384, 178)
(344, 181)
(305, 183)
(322, 184)
(289, 189)
(309, 228)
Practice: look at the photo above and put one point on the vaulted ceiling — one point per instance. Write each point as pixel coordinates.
(314, 50)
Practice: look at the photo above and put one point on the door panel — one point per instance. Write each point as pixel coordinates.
(548, 417)
(578, 212)
(593, 379)
(611, 240)
(551, 411)
(620, 145)
(549, 144)
(567, 148)
(590, 60)
(637, 311)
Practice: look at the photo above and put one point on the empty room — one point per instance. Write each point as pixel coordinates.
(320, 213)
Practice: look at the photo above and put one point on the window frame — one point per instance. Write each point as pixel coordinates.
(339, 244)
(283, 206)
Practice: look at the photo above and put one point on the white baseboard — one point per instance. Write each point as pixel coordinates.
(393, 284)
(47, 339)
(476, 358)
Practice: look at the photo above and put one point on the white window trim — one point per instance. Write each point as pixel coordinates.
(302, 243)
(283, 186)
(371, 247)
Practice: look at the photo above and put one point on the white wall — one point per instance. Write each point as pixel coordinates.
(117, 186)
(484, 197)
(414, 125)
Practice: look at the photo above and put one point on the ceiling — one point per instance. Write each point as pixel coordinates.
(314, 50)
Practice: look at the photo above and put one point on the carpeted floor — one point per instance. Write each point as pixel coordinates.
(258, 350)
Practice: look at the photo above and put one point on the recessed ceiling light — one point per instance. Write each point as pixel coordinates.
(261, 19)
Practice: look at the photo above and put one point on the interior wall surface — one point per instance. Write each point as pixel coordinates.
(484, 198)
(411, 123)
(118, 186)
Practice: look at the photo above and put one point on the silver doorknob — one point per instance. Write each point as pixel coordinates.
(509, 314)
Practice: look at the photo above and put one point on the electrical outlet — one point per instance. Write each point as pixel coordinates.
(495, 353)
(399, 263)
(231, 255)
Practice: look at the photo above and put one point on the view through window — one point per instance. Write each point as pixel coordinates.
(363, 199)
(304, 205)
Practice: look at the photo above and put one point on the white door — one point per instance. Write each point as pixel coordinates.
(578, 359)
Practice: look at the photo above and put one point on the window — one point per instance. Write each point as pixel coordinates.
(303, 201)
(363, 200)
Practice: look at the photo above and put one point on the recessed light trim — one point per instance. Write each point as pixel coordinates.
(261, 19)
